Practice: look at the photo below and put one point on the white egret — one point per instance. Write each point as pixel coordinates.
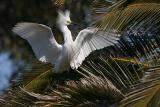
(72, 52)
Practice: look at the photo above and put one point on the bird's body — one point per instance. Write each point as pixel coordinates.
(67, 51)
(71, 53)
(63, 60)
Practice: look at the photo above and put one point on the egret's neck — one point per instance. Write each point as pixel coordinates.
(66, 34)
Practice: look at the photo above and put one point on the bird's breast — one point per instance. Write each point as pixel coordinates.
(63, 62)
(68, 52)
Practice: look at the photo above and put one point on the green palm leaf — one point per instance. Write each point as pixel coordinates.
(40, 77)
(135, 16)
(145, 94)
(36, 76)
(121, 71)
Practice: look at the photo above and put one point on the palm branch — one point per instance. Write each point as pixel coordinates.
(146, 93)
(83, 92)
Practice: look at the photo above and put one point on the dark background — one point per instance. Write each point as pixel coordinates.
(15, 51)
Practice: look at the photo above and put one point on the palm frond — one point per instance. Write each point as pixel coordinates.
(123, 73)
(146, 93)
(35, 76)
(139, 26)
(131, 61)
(35, 65)
(40, 77)
(103, 6)
(16, 98)
(134, 16)
(82, 93)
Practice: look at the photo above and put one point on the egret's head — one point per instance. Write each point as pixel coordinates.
(64, 17)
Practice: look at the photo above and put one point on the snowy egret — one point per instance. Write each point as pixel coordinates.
(72, 52)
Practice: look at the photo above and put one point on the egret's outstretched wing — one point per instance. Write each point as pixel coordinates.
(89, 40)
(41, 39)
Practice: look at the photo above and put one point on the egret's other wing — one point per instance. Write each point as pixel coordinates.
(89, 40)
(41, 39)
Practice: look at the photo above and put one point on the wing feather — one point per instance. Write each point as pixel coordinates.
(89, 40)
(41, 39)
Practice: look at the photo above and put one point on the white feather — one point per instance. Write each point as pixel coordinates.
(41, 39)
(71, 53)
(89, 40)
